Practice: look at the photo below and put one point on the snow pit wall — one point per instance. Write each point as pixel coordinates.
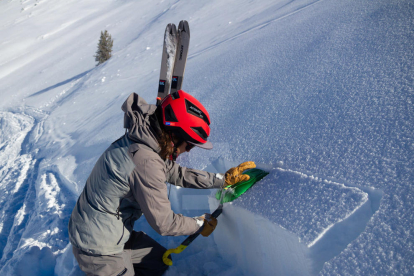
(258, 246)
(260, 243)
(291, 223)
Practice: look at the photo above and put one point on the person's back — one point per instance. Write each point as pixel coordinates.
(129, 179)
(106, 205)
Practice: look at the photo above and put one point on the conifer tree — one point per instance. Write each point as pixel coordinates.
(104, 48)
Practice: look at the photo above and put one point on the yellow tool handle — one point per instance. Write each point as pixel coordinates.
(190, 238)
(167, 253)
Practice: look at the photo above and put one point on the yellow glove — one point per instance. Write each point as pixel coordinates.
(235, 175)
(209, 225)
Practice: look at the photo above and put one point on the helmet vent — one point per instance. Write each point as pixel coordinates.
(200, 132)
(194, 110)
(169, 114)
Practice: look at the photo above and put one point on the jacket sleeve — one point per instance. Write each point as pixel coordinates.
(149, 189)
(191, 178)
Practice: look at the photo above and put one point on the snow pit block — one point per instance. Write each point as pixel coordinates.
(305, 205)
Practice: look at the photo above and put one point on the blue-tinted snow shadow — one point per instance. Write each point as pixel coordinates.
(61, 83)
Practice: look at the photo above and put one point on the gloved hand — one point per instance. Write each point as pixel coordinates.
(209, 225)
(235, 175)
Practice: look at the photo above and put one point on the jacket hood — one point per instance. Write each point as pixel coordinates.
(137, 121)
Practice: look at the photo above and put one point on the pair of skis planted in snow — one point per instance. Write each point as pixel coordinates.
(174, 58)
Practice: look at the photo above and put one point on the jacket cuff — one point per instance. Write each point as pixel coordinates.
(199, 221)
(218, 181)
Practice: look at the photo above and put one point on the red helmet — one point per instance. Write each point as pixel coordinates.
(185, 116)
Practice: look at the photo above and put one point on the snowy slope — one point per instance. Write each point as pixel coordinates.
(319, 93)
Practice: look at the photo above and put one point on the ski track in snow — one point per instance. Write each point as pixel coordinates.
(34, 202)
(261, 25)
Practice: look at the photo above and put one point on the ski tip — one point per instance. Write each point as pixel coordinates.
(180, 26)
(184, 27)
(171, 29)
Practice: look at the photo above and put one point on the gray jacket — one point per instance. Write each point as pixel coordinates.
(130, 179)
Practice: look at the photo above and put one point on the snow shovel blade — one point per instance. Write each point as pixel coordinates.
(229, 195)
(237, 190)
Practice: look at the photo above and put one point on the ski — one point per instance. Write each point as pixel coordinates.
(167, 61)
(183, 44)
(174, 59)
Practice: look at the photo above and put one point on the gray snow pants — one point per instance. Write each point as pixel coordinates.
(141, 256)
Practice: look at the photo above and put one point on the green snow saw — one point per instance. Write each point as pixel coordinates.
(224, 195)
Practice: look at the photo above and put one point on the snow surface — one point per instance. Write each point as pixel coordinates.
(317, 92)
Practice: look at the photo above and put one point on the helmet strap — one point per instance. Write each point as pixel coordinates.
(173, 156)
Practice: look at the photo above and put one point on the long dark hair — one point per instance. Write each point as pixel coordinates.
(164, 138)
(165, 141)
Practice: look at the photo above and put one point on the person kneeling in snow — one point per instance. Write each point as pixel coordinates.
(130, 179)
